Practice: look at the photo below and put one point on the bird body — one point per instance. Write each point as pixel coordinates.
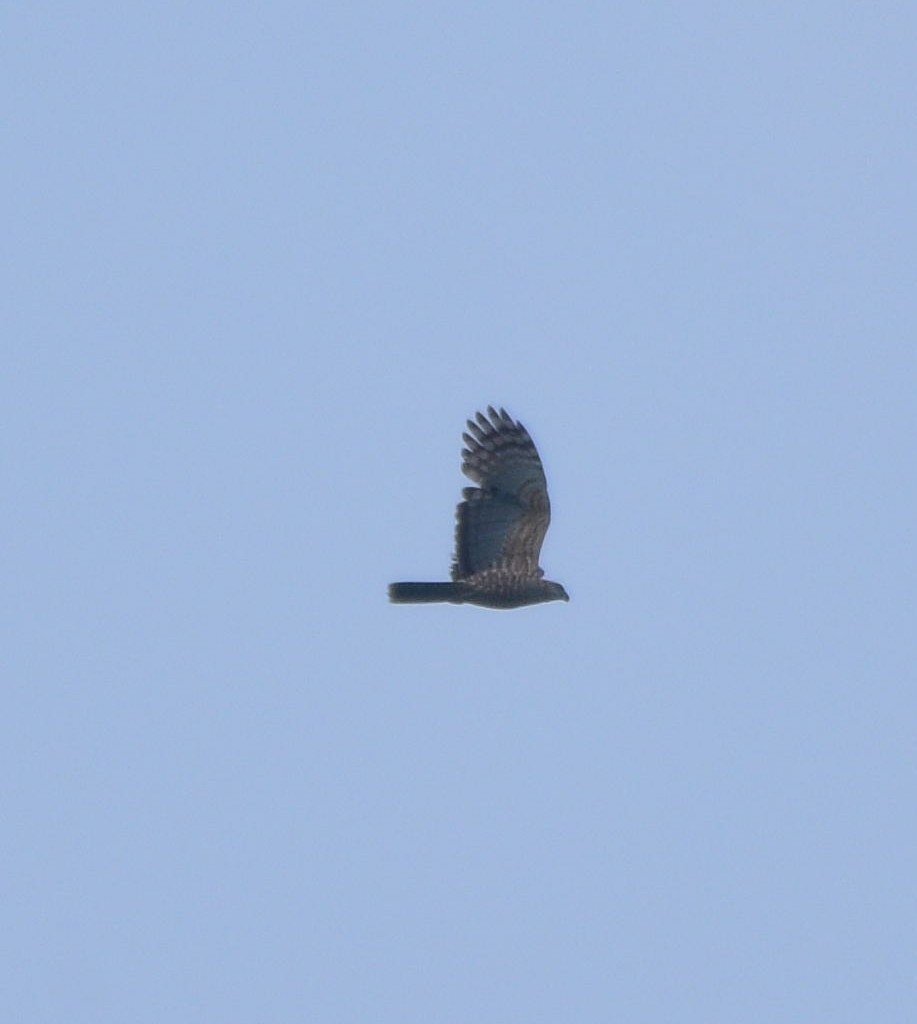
(500, 524)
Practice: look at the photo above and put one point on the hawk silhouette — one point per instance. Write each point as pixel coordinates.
(500, 525)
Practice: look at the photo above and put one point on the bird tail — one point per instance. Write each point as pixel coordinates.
(423, 593)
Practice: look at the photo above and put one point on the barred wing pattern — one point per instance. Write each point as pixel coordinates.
(500, 524)
(502, 521)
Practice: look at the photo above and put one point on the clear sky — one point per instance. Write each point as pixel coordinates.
(261, 262)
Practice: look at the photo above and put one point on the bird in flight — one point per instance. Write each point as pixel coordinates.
(500, 524)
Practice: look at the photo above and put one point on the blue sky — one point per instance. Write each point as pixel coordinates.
(260, 266)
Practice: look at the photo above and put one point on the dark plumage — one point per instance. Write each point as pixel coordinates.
(500, 525)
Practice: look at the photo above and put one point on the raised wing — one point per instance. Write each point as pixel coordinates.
(503, 521)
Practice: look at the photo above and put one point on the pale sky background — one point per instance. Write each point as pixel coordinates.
(260, 264)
